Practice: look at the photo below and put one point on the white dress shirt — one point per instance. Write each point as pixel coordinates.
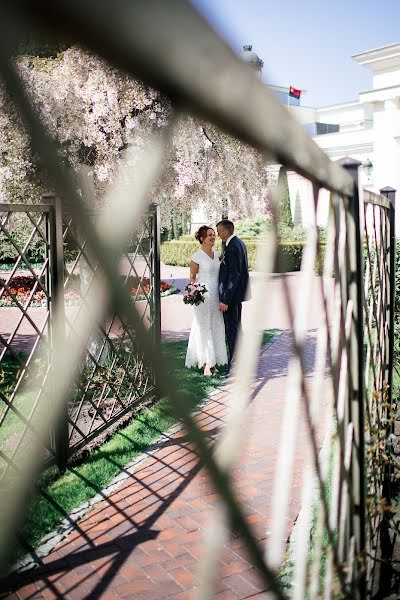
(229, 239)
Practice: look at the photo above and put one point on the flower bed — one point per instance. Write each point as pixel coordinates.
(21, 287)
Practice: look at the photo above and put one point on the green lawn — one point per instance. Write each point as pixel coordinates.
(29, 402)
(60, 494)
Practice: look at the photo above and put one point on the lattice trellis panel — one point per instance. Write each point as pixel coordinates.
(378, 217)
(113, 375)
(26, 295)
(323, 561)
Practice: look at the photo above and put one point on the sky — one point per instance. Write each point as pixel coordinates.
(308, 44)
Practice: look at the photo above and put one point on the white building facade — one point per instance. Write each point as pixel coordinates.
(367, 130)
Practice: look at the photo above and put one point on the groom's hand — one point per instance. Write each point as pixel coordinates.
(223, 307)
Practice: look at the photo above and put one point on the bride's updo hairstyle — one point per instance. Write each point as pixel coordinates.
(201, 233)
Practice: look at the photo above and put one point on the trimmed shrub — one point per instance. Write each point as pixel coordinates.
(289, 234)
(289, 257)
(179, 253)
(285, 212)
(20, 229)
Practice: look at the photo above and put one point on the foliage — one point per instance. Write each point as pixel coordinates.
(396, 349)
(397, 279)
(208, 168)
(21, 286)
(95, 113)
(289, 257)
(178, 252)
(10, 369)
(90, 108)
(285, 213)
(19, 229)
(251, 227)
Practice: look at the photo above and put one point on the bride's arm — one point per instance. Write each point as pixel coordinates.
(194, 269)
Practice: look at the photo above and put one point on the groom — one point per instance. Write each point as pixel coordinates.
(233, 281)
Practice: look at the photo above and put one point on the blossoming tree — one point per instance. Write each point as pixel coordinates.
(208, 168)
(95, 112)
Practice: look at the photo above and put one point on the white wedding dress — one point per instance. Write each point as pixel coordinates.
(207, 335)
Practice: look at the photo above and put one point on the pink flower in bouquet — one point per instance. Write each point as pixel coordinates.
(194, 293)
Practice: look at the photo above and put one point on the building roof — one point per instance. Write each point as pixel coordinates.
(377, 59)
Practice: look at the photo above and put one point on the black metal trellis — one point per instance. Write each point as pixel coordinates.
(114, 377)
(378, 320)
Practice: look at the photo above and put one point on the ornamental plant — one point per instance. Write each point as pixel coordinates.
(25, 290)
(285, 214)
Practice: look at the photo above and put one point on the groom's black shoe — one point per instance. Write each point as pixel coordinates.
(225, 372)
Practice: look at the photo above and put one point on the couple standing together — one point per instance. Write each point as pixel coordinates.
(217, 321)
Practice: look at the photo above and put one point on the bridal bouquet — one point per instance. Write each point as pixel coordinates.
(194, 293)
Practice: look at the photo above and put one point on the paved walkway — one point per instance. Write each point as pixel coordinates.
(144, 541)
(176, 318)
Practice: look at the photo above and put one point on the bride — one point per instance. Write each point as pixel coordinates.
(206, 346)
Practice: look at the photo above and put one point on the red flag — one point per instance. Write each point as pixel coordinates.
(294, 93)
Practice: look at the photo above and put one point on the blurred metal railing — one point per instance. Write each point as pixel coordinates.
(169, 46)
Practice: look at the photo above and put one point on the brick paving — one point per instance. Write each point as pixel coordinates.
(144, 541)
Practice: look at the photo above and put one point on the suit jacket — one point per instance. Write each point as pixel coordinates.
(233, 273)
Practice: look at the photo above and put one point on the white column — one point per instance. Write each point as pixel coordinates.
(386, 158)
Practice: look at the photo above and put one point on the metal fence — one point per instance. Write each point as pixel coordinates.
(25, 351)
(168, 46)
(51, 254)
(379, 302)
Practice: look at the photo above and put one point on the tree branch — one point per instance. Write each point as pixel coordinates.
(213, 144)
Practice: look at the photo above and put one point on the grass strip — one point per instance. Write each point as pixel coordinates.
(60, 494)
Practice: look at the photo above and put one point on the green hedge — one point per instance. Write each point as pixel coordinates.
(179, 253)
(20, 228)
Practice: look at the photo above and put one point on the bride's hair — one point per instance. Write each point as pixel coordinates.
(202, 232)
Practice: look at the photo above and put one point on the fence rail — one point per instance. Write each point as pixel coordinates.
(169, 46)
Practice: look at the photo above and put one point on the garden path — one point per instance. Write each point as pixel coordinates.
(144, 541)
(176, 318)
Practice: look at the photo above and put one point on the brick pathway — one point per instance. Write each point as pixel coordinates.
(145, 540)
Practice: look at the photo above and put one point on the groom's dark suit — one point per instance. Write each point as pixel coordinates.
(233, 282)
